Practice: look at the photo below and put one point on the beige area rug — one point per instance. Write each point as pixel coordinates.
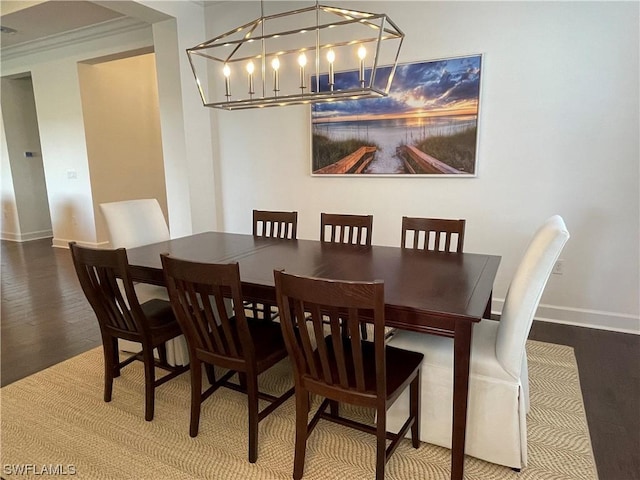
(57, 420)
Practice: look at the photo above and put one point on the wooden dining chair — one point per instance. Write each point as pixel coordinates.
(432, 234)
(346, 229)
(242, 345)
(130, 224)
(121, 316)
(271, 224)
(341, 368)
(435, 234)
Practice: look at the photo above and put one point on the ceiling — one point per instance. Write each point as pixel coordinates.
(49, 18)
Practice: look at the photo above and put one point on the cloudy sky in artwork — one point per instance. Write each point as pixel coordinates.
(449, 85)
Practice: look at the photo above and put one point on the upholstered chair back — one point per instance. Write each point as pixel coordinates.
(524, 293)
(133, 223)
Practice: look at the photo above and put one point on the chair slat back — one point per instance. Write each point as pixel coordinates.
(98, 272)
(197, 292)
(434, 234)
(275, 224)
(311, 308)
(346, 229)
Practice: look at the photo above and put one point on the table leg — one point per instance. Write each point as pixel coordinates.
(462, 352)
(487, 310)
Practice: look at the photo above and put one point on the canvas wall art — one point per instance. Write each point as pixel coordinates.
(426, 126)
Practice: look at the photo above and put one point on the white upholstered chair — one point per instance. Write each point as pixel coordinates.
(498, 382)
(133, 223)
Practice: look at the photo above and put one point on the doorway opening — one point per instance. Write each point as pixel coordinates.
(25, 203)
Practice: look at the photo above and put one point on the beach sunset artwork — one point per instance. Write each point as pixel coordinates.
(427, 125)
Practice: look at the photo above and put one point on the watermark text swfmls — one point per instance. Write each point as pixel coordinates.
(38, 469)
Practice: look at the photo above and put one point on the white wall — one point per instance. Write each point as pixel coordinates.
(122, 126)
(185, 125)
(10, 227)
(559, 126)
(62, 136)
(558, 134)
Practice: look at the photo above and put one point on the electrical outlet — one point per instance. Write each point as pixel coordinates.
(558, 268)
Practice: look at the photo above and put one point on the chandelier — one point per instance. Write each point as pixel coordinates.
(314, 54)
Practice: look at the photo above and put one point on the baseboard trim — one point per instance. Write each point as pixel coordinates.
(581, 317)
(26, 237)
(63, 243)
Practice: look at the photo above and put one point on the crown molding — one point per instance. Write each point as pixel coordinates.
(100, 30)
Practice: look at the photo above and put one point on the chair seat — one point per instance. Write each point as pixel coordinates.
(267, 341)
(177, 353)
(162, 323)
(269, 347)
(496, 418)
(438, 351)
(158, 313)
(404, 363)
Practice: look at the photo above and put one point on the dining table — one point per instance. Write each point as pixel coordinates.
(438, 293)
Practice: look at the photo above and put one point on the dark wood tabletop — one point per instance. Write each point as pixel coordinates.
(435, 286)
(432, 292)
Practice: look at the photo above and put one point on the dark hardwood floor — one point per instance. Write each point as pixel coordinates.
(45, 319)
(609, 368)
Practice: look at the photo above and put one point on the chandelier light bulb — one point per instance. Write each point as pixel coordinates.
(250, 68)
(226, 71)
(362, 52)
(275, 63)
(302, 61)
(331, 57)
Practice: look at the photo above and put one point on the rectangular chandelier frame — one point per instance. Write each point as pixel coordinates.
(221, 60)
